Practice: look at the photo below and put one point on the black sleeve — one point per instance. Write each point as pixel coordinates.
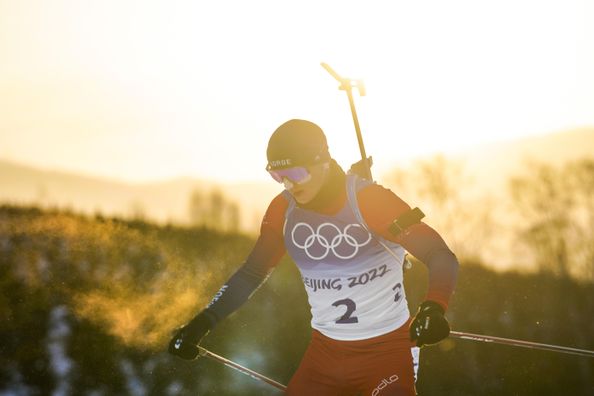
(267, 252)
(428, 246)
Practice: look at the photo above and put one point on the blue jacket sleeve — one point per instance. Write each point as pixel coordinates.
(260, 263)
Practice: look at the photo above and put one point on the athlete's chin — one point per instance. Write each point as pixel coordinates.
(301, 196)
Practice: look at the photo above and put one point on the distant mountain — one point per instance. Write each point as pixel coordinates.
(168, 201)
(490, 165)
(494, 163)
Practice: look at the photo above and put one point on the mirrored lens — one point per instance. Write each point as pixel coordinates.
(297, 175)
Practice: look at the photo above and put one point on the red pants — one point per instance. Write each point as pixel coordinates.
(379, 366)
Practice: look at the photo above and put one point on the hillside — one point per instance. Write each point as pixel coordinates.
(88, 306)
(492, 164)
(489, 166)
(165, 201)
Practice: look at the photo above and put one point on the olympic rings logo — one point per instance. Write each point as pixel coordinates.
(329, 245)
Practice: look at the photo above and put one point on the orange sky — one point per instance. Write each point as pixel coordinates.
(142, 90)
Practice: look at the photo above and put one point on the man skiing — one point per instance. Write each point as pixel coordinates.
(348, 237)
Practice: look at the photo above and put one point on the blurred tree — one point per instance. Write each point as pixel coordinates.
(137, 212)
(214, 211)
(581, 175)
(440, 187)
(556, 206)
(232, 217)
(197, 208)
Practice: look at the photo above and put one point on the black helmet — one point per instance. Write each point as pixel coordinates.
(297, 143)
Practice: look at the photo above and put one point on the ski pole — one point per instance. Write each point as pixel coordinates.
(520, 343)
(206, 353)
(346, 84)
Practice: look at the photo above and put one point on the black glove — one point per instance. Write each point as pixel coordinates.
(184, 343)
(429, 325)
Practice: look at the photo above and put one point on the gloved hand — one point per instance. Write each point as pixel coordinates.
(429, 325)
(184, 343)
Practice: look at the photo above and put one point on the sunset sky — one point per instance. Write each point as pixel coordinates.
(145, 90)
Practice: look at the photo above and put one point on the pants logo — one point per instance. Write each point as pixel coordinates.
(385, 382)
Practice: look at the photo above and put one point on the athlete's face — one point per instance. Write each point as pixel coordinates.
(305, 192)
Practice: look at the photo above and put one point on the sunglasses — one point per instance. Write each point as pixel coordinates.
(297, 175)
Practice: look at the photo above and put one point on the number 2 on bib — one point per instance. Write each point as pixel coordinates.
(351, 307)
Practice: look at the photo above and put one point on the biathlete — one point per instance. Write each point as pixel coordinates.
(349, 237)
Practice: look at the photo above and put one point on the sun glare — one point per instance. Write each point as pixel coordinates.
(171, 89)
